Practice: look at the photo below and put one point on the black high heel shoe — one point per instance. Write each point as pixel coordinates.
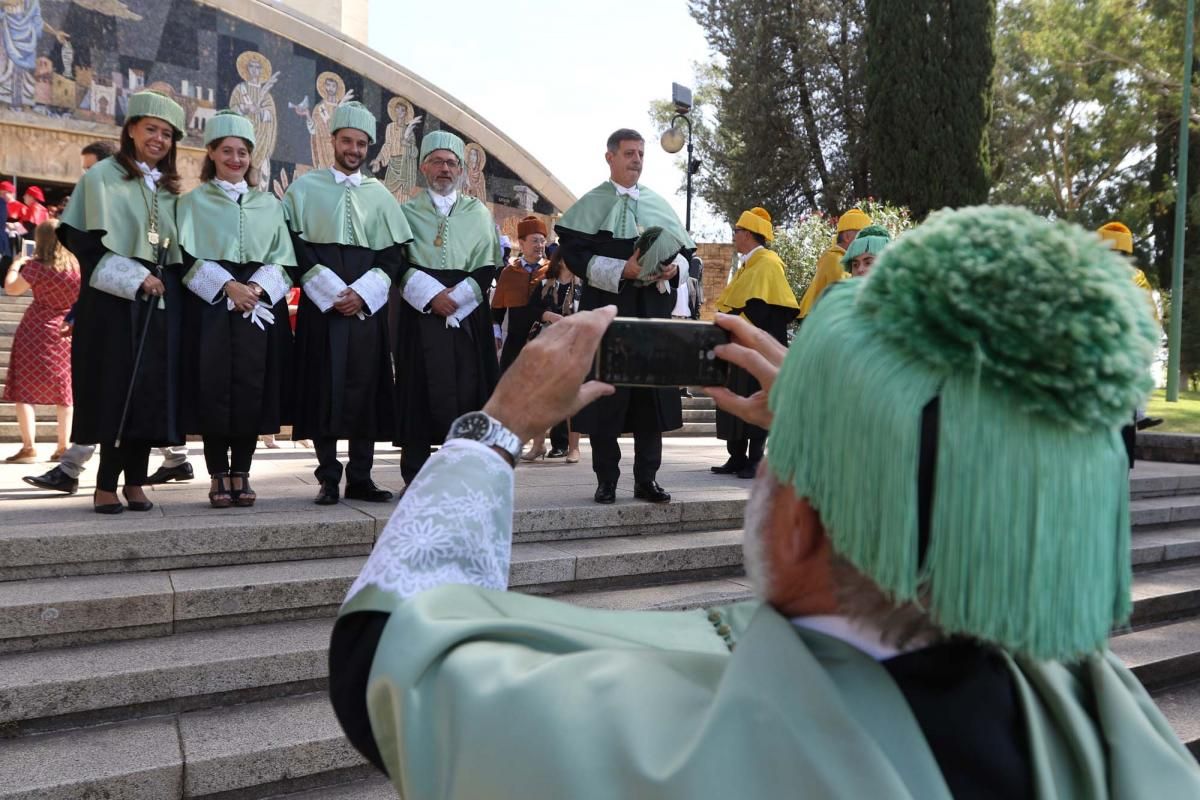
(137, 505)
(243, 496)
(107, 508)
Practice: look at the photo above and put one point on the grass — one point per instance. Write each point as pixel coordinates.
(1180, 417)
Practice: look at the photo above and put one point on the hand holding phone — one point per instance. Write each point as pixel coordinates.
(661, 352)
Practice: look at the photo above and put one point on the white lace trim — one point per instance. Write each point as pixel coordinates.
(273, 280)
(373, 287)
(605, 273)
(322, 285)
(419, 289)
(206, 280)
(467, 295)
(118, 275)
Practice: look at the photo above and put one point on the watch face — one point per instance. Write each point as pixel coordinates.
(473, 426)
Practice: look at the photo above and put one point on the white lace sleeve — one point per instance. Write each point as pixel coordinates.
(453, 525)
(273, 280)
(605, 273)
(206, 280)
(322, 285)
(419, 289)
(373, 287)
(466, 293)
(118, 275)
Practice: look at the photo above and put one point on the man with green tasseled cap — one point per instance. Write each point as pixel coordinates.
(120, 219)
(237, 343)
(445, 355)
(349, 235)
(598, 238)
(938, 565)
(861, 253)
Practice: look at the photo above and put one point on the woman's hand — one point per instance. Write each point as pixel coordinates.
(757, 352)
(549, 317)
(243, 297)
(153, 287)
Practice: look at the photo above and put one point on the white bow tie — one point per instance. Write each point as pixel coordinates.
(633, 191)
(234, 190)
(355, 178)
(150, 176)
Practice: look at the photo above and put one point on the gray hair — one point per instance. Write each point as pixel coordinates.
(623, 135)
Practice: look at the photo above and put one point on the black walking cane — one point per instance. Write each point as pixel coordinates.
(160, 262)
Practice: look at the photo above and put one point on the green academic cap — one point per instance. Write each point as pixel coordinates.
(871, 239)
(228, 123)
(442, 140)
(357, 116)
(1031, 347)
(155, 104)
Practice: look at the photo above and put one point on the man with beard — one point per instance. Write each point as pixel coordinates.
(904, 645)
(445, 353)
(597, 236)
(348, 233)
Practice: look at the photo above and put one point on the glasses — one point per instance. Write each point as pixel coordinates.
(438, 163)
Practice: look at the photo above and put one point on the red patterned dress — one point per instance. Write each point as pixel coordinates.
(40, 367)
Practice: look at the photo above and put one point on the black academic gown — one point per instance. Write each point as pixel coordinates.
(341, 368)
(442, 373)
(774, 320)
(521, 320)
(235, 375)
(107, 329)
(627, 410)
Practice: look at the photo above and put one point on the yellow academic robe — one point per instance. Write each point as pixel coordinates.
(829, 272)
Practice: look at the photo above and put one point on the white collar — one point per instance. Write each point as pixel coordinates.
(855, 633)
(233, 191)
(149, 175)
(355, 178)
(744, 258)
(633, 191)
(443, 202)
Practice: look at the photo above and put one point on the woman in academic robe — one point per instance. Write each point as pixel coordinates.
(120, 224)
(237, 338)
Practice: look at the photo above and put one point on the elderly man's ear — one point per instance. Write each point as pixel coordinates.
(801, 558)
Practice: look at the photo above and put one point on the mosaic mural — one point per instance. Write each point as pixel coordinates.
(71, 65)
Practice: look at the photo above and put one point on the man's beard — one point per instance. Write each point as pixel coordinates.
(341, 162)
(453, 186)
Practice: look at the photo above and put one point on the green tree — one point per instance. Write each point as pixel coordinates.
(929, 100)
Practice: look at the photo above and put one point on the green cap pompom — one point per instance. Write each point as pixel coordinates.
(442, 140)
(871, 239)
(354, 115)
(159, 106)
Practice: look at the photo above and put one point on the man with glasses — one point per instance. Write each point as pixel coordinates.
(444, 348)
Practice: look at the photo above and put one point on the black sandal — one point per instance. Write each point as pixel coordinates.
(136, 505)
(244, 496)
(222, 496)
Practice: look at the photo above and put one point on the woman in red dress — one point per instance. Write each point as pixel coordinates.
(40, 368)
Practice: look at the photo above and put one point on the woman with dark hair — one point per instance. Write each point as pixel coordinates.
(120, 220)
(237, 338)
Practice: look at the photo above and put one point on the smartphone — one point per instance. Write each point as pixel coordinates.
(661, 352)
(27, 248)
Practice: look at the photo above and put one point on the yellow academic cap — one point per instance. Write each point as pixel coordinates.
(757, 220)
(853, 220)
(1118, 235)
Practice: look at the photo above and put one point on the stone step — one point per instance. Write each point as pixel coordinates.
(1162, 479)
(1167, 593)
(1153, 547)
(695, 429)
(8, 327)
(1163, 655)
(700, 402)
(1171, 510)
(44, 432)
(668, 596)
(373, 788)
(1181, 706)
(8, 411)
(689, 415)
(47, 613)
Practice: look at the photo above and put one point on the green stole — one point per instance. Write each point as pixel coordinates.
(106, 203)
(465, 239)
(207, 219)
(602, 210)
(322, 211)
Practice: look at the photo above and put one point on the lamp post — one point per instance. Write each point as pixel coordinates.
(1176, 331)
(673, 140)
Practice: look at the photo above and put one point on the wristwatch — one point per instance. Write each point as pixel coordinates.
(485, 429)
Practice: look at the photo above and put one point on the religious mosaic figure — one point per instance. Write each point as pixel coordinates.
(399, 151)
(476, 183)
(332, 91)
(21, 27)
(252, 99)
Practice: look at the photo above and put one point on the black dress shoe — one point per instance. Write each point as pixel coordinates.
(107, 508)
(367, 491)
(1148, 422)
(747, 472)
(651, 492)
(55, 480)
(730, 467)
(164, 474)
(137, 505)
(328, 495)
(606, 493)
(556, 452)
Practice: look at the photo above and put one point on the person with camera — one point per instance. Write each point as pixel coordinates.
(889, 653)
(598, 237)
(760, 293)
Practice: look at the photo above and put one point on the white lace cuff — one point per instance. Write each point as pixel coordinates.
(373, 287)
(273, 280)
(118, 275)
(420, 289)
(605, 273)
(322, 285)
(453, 525)
(206, 280)
(466, 294)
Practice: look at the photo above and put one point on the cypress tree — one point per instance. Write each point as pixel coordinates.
(929, 100)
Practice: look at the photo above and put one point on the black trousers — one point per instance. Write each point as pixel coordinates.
(746, 451)
(647, 456)
(358, 470)
(559, 438)
(217, 453)
(132, 458)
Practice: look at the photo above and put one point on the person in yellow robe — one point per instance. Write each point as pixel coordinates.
(760, 293)
(829, 266)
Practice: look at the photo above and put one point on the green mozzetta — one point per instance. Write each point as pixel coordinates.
(468, 234)
(602, 210)
(207, 220)
(105, 202)
(322, 211)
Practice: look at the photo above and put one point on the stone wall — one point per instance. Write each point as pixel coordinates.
(717, 259)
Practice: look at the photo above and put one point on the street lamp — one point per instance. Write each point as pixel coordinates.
(673, 140)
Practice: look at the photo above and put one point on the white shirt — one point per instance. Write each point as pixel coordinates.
(355, 178)
(149, 175)
(444, 202)
(743, 258)
(233, 191)
(633, 191)
(855, 633)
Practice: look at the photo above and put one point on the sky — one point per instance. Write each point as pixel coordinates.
(557, 76)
